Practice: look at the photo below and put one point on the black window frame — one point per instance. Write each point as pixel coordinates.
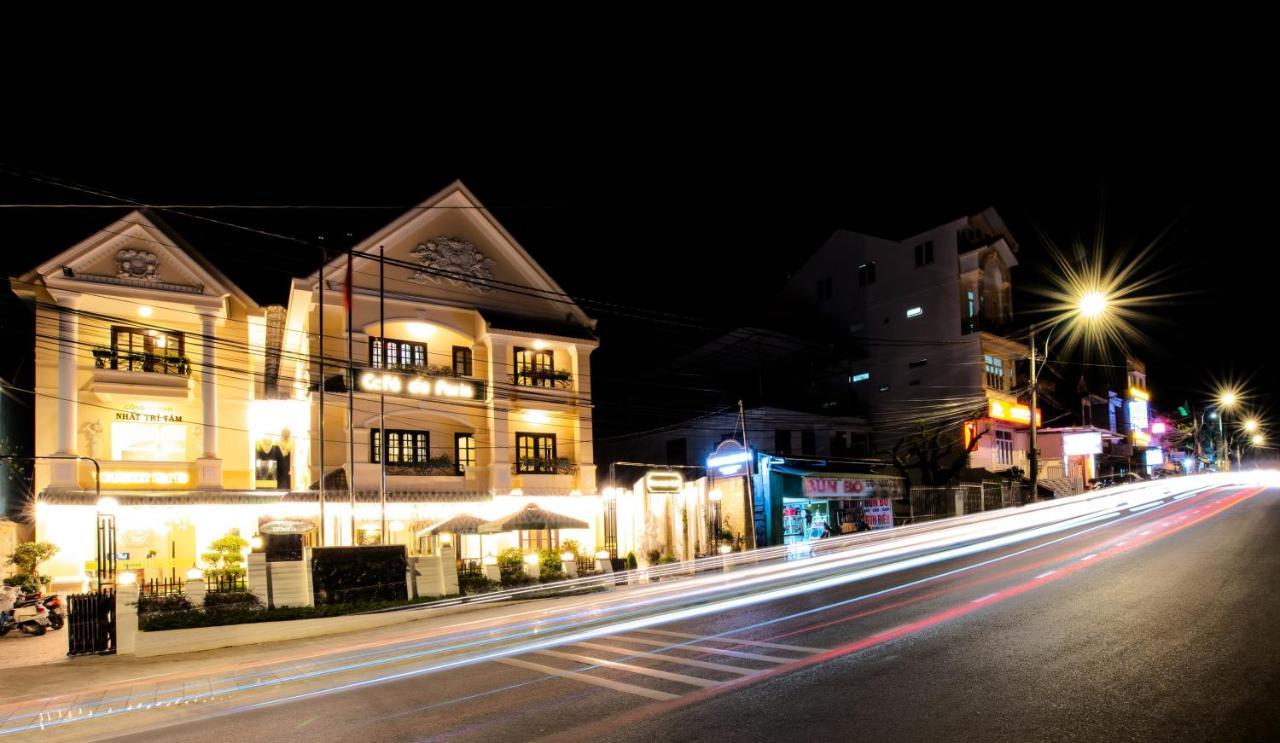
(537, 373)
(536, 464)
(149, 359)
(867, 273)
(462, 361)
(378, 346)
(458, 464)
(419, 441)
(924, 254)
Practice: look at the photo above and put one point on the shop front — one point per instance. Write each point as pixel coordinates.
(815, 504)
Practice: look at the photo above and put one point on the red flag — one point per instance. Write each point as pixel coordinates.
(346, 288)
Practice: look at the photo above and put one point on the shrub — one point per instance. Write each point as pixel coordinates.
(227, 600)
(572, 545)
(510, 565)
(653, 556)
(168, 603)
(632, 563)
(550, 566)
(26, 558)
(236, 615)
(472, 584)
(667, 558)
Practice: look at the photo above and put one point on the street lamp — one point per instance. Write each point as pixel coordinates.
(1090, 306)
(1227, 399)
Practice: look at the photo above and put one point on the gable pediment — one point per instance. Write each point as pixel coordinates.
(450, 250)
(133, 253)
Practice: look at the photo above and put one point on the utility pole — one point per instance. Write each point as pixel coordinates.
(1033, 456)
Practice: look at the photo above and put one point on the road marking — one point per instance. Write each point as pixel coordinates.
(1145, 533)
(1046, 574)
(643, 671)
(639, 691)
(702, 649)
(668, 658)
(984, 598)
(1089, 556)
(1122, 543)
(1139, 509)
(756, 643)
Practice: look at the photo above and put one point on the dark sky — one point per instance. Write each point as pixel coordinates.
(708, 229)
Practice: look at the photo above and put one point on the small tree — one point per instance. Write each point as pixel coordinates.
(27, 558)
(225, 556)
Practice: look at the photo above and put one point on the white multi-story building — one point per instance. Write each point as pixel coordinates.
(928, 310)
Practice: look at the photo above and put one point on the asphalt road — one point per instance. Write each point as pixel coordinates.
(1155, 625)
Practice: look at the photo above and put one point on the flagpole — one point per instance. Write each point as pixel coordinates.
(351, 403)
(382, 397)
(322, 267)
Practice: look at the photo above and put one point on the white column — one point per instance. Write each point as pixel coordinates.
(68, 334)
(65, 474)
(209, 466)
(209, 386)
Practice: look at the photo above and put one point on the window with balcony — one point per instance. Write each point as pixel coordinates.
(461, 361)
(536, 454)
(534, 368)
(143, 349)
(390, 353)
(1004, 447)
(995, 376)
(408, 453)
(464, 451)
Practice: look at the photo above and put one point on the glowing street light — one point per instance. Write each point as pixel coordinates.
(1258, 439)
(1251, 425)
(1088, 307)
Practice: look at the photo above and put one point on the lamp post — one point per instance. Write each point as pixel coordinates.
(1226, 400)
(1089, 306)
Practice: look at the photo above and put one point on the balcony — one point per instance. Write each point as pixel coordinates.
(131, 375)
(111, 358)
(441, 466)
(548, 466)
(559, 379)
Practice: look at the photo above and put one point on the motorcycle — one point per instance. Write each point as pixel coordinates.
(32, 618)
(52, 604)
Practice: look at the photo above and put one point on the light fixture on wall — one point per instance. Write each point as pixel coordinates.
(144, 311)
(421, 330)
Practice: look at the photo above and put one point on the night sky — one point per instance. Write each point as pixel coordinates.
(707, 232)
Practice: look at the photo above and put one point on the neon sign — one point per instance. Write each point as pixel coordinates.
(412, 385)
(1012, 412)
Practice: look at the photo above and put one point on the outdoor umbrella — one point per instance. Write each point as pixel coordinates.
(463, 523)
(533, 518)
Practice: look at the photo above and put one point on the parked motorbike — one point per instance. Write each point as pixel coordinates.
(32, 619)
(52, 604)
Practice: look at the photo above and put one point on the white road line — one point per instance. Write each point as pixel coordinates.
(1046, 574)
(1145, 533)
(639, 691)
(701, 649)
(1089, 556)
(643, 671)
(984, 598)
(1122, 542)
(1144, 507)
(731, 641)
(669, 658)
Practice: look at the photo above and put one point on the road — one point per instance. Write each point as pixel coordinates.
(1128, 618)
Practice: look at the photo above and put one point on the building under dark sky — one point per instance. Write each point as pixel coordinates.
(679, 245)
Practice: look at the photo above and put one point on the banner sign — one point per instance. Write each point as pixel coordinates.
(850, 487)
(416, 385)
(878, 513)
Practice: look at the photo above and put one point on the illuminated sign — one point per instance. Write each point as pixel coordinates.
(849, 487)
(1155, 456)
(1138, 415)
(131, 415)
(1142, 438)
(915, 312)
(1137, 394)
(729, 457)
(1081, 444)
(862, 377)
(287, 526)
(663, 482)
(1012, 412)
(413, 385)
(125, 477)
(1159, 427)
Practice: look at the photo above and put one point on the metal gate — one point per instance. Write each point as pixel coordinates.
(91, 623)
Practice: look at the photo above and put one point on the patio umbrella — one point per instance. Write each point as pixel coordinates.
(463, 523)
(533, 518)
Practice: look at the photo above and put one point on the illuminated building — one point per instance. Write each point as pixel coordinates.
(203, 407)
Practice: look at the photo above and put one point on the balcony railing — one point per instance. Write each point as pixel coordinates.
(435, 466)
(111, 358)
(557, 378)
(551, 466)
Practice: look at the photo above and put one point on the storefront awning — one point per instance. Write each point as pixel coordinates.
(840, 485)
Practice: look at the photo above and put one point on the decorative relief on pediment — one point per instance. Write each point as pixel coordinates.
(454, 260)
(137, 264)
